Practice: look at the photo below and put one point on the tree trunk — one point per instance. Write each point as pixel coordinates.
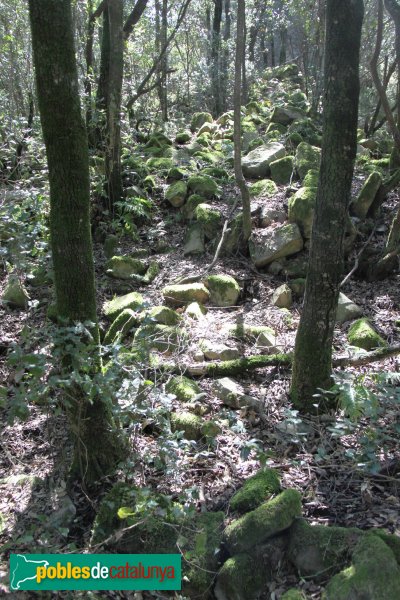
(313, 349)
(114, 94)
(240, 182)
(102, 100)
(215, 58)
(98, 446)
(225, 56)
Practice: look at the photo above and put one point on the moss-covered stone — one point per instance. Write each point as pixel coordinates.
(176, 193)
(203, 185)
(185, 389)
(393, 541)
(282, 169)
(276, 127)
(195, 310)
(234, 237)
(293, 594)
(176, 174)
(264, 337)
(123, 267)
(158, 138)
(112, 308)
(365, 198)
(15, 294)
(215, 172)
(273, 243)
(210, 219)
(284, 115)
(163, 315)
(163, 338)
(318, 550)
(301, 209)
(211, 157)
(307, 157)
(311, 179)
(180, 295)
(120, 327)
(193, 426)
(188, 210)
(242, 577)
(224, 290)
(256, 490)
(374, 574)
(183, 137)
(264, 522)
(362, 335)
(198, 119)
(256, 164)
(160, 165)
(264, 187)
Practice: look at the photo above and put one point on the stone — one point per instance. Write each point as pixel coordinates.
(110, 245)
(273, 243)
(218, 351)
(271, 215)
(361, 205)
(256, 490)
(286, 115)
(176, 174)
(183, 137)
(120, 327)
(208, 128)
(196, 311)
(242, 577)
(265, 187)
(373, 574)
(183, 388)
(194, 240)
(163, 338)
(193, 201)
(234, 235)
(15, 294)
(193, 426)
(293, 594)
(198, 119)
(307, 157)
(176, 193)
(203, 185)
(229, 392)
(264, 522)
(160, 165)
(301, 209)
(123, 267)
(311, 179)
(182, 294)
(346, 310)
(298, 286)
(112, 308)
(297, 267)
(256, 163)
(210, 220)
(276, 128)
(163, 315)
(224, 290)
(362, 335)
(282, 296)
(262, 336)
(282, 170)
(276, 267)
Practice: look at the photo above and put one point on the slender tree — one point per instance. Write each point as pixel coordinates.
(312, 363)
(98, 446)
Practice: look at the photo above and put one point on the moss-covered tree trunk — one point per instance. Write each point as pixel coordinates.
(215, 74)
(98, 136)
(97, 443)
(313, 349)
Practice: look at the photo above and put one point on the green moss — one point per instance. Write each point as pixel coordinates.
(373, 574)
(163, 315)
(182, 137)
(276, 128)
(198, 119)
(264, 522)
(158, 139)
(186, 293)
(114, 307)
(301, 209)
(264, 187)
(307, 157)
(242, 576)
(124, 322)
(311, 179)
(224, 290)
(123, 267)
(161, 165)
(203, 185)
(365, 198)
(293, 594)
(176, 173)
(176, 193)
(210, 220)
(362, 335)
(211, 157)
(195, 310)
(256, 490)
(163, 338)
(393, 541)
(191, 204)
(189, 423)
(255, 143)
(282, 169)
(185, 389)
(216, 172)
(151, 273)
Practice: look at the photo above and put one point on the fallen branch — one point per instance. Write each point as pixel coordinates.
(251, 363)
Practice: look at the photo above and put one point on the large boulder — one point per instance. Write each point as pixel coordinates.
(272, 243)
(203, 185)
(307, 157)
(361, 205)
(282, 169)
(224, 290)
(176, 193)
(286, 115)
(256, 163)
(123, 267)
(198, 119)
(301, 209)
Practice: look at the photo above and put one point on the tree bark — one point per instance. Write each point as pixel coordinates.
(237, 132)
(98, 446)
(313, 349)
(215, 58)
